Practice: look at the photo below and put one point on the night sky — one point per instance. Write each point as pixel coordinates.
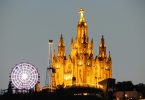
(27, 25)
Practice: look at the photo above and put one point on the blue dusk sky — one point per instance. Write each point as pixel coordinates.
(27, 25)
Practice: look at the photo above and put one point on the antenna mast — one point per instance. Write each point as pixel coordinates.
(48, 81)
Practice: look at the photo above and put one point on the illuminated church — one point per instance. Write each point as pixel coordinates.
(81, 67)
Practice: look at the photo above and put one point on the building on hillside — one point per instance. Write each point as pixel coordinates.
(80, 67)
(128, 95)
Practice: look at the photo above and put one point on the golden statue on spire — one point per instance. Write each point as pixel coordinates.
(82, 19)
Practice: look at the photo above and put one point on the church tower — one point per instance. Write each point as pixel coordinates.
(61, 47)
(80, 67)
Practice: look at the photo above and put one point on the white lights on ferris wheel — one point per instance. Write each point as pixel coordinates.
(24, 76)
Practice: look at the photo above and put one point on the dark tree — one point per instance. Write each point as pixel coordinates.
(10, 88)
(140, 88)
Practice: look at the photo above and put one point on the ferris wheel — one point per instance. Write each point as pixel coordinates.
(24, 76)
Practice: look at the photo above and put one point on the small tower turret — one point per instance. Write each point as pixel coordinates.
(92, 44)
(92, 47)
(109, 57)
(109, 64)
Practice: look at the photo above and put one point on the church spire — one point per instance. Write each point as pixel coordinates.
(92, 41)
(102, 47)
(61, 47)
(92, 47)
(72, 40)
(102, 43)
(92, 44)
(61, 43)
